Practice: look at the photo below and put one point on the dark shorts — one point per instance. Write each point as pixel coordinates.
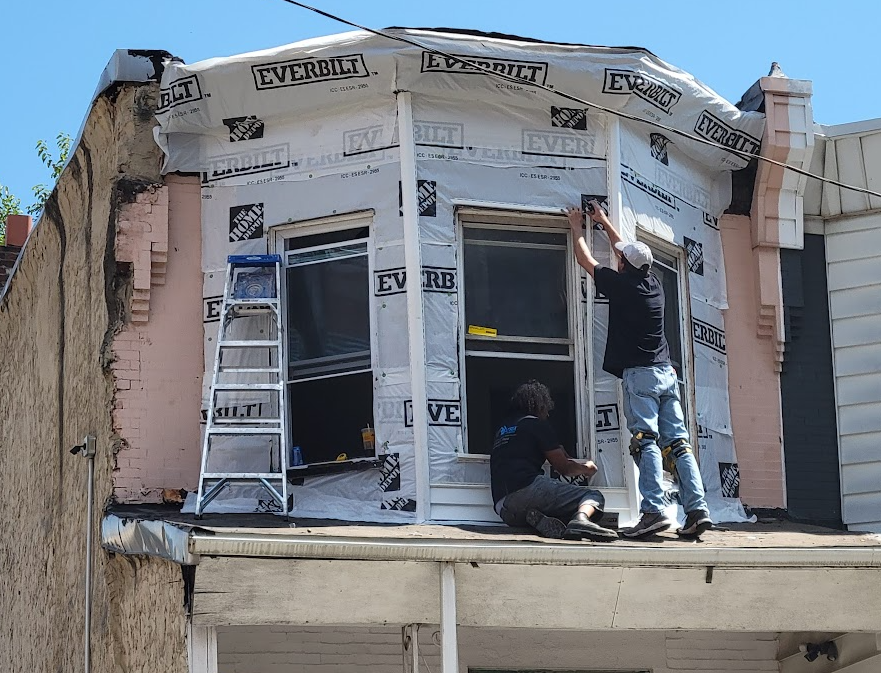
(552, 498)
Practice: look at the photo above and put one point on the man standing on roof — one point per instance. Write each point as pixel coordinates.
(637, 353)
(523, 494)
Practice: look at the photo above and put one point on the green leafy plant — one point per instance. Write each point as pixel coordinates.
(41, 191)
(9, 205)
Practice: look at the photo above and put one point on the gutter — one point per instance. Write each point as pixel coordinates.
(185, 545)
(525, 553)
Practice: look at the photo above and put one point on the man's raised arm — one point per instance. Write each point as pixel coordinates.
(582, 251)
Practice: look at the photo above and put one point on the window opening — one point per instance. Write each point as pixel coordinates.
(667, 269)
(518, 325)
(329, 375)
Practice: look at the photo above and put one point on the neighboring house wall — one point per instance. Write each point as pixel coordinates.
(852, 224)
(854, 268)
(158, 355)
(813, 490)
(753, 382)
(57, 319)
(378, 650)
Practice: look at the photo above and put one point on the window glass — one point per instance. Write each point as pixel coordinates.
(328, 312)
(672, 315)
(516, 287)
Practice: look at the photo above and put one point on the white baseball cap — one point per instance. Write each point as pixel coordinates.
(638, 254)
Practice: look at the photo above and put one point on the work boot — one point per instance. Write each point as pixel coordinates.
(547, 526)
(696, 522)
(581, 527)
(648, 524)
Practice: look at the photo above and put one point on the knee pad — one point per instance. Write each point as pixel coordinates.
(636, 441)
(672, 453)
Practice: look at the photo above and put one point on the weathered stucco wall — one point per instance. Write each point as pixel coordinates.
(57, 320)
(753, 380)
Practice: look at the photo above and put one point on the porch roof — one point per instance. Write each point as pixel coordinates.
(772, 544)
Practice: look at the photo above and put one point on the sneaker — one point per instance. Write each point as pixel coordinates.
(696, 522)
(547, 526)
(581, 527)
(648, 524)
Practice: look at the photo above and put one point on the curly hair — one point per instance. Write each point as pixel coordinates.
(533, 398)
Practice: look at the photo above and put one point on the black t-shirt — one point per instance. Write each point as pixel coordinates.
(518, 454)
(636, 320)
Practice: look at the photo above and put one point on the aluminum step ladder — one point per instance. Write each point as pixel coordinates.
(243, 364)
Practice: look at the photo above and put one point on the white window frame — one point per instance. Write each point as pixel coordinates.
(326, 225)
(538, 220)
(678, 253)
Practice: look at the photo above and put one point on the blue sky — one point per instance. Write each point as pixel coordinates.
(52, 52)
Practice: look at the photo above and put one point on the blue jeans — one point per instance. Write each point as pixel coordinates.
(651, 404)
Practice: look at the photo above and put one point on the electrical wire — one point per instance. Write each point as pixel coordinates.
(563, 94)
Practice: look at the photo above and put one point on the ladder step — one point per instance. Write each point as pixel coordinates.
(231, 369)
(243, 431)
(220, 421)
(264, 301)
(249, 343)
(249, 476)
(223, 387)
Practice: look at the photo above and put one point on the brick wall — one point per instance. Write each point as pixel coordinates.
(378, 650)
(753, 382)
(157, 356)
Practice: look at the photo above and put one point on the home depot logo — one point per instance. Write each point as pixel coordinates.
(426, 191)
(245, 222)
(244, 128)
(569, 118)
(652, 91)
(607, 418)
(439, 134)
(390, 473)
(729, 476)
(178, 92)
(529, 72)
(659, 147)
(434, 279)
(712, 128)
(708, 335)
(695, 254)
(308, 71)
(440, 413)
(399, 504)
(558, 143)
(263, 160)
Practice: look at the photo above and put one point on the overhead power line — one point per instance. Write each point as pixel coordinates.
(563, 94)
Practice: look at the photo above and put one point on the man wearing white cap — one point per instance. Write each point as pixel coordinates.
(637, 353)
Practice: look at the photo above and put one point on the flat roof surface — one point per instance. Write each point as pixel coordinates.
(769, 535)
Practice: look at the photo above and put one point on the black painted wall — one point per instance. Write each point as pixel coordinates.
(807, 388)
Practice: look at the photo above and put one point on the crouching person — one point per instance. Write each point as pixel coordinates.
(523, 495)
